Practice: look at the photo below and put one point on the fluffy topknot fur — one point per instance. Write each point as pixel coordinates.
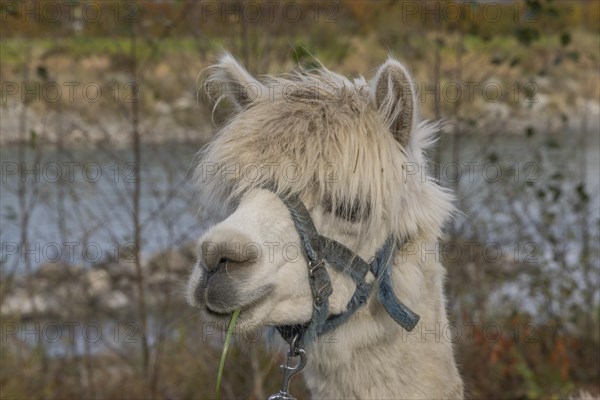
(328, 139)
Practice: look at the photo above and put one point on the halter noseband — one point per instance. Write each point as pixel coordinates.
(320, 250)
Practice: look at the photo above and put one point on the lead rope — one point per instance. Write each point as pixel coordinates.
(289, 371)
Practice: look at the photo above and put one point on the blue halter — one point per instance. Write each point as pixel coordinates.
(319, 251)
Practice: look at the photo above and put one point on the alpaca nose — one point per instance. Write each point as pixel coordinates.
(228, 248)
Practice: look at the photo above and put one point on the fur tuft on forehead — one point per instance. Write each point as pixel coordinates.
(321, 136)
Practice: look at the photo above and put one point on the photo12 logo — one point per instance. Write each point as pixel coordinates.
(67, 92)
(70, 11)
(69, 172)
(467, 11)
(269, 11)
(70, 332)
(54, 252)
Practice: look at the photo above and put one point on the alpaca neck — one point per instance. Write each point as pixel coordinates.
(369, 372)
(370, 356)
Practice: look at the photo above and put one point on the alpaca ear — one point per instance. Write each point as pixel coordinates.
(228, 79)
(393, 90)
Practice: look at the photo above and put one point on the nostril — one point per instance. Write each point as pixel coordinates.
(209, 274)
(212, 255)
(227, 247)
(223, 262)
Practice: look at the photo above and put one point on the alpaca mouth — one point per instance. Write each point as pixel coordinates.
(221, 309)
(214, 313)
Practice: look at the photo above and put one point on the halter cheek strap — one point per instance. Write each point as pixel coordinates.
(319, 251)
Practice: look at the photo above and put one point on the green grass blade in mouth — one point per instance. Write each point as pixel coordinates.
(232, 321)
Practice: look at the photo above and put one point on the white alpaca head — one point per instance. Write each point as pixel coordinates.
(352, 152)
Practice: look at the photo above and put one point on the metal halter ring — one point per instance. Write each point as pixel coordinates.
(313, 268)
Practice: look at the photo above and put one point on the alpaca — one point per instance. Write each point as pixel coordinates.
(349, 151)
